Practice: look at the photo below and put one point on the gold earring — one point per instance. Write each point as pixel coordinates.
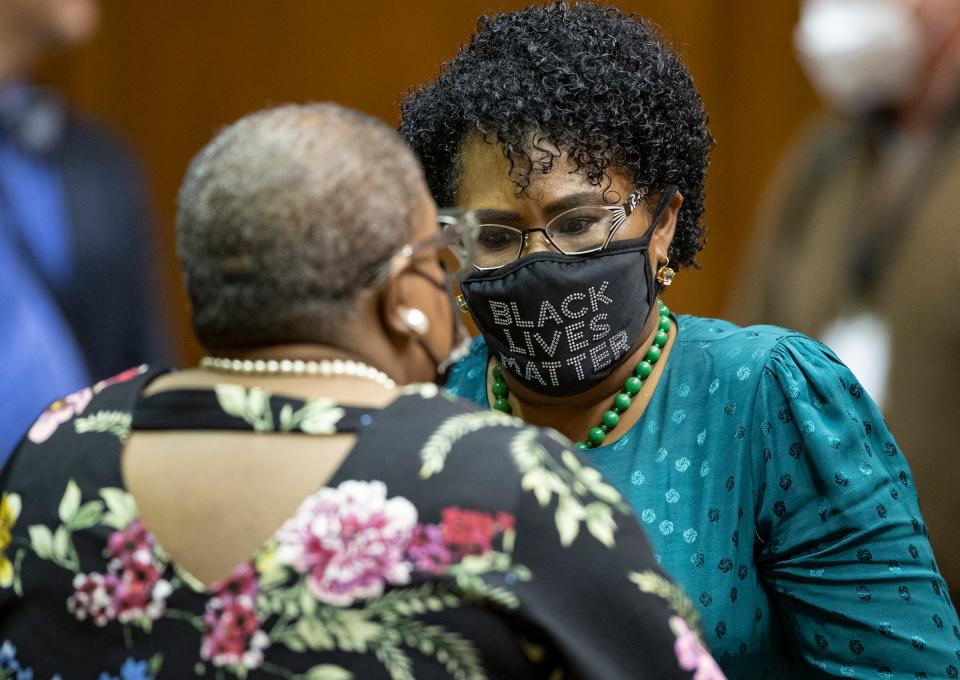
(665, 275)
(462, 304)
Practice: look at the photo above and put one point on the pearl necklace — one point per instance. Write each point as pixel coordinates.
(327, 368)
(611, 418)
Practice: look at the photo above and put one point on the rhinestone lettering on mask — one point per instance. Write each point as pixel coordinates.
(597, 296)
(547, 310)
(599, 328)
(575, 336)
(576, 324)
(516, 317)
(565, 306)
(501, 313)
(550, 349)
(600, 357)
(577, 363)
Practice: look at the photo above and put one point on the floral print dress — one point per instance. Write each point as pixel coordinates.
(450, 543)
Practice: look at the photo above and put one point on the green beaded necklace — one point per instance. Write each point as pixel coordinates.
(621, 402)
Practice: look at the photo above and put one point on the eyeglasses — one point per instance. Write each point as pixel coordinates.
(455, 244)
(577, 231)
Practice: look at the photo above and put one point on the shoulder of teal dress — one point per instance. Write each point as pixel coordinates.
(468, 377)
(735, 355)
(698, 329)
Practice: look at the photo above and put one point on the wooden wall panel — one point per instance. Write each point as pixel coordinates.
(170, 74)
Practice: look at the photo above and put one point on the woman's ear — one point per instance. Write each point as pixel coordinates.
(663, 234)
(393, 313)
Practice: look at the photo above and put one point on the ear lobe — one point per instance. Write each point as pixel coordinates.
(392, 311)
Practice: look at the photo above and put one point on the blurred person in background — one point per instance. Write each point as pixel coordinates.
(858, 240)
(419, 536)
(76, 300)
(770, 487)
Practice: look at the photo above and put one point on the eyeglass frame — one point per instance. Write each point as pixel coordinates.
(621, 213)
(454, 224)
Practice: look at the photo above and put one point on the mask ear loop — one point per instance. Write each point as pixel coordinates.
(666, 198)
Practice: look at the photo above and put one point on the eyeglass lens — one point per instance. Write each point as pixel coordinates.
(575, 231)
(456, 255)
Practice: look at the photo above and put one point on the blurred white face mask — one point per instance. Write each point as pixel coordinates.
(860, 54)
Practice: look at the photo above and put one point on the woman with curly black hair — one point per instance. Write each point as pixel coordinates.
(766, 477)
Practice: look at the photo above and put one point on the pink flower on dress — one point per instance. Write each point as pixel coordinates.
(132, 590)
(132, 543)
(427, 551)
(691, 654)
(349, 541)
(123, 376)
(505, 521)
(94, 595)
(58, 413)
(233, 635)
(141, 593)
(243, 581)
(468, 532)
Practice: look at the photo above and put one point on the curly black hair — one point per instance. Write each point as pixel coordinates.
(599, 84)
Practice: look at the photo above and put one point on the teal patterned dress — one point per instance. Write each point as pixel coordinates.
(773, 491)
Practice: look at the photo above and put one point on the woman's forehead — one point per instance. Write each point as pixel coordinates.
(487, 178)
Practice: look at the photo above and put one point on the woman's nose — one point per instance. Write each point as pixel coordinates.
(535, 241)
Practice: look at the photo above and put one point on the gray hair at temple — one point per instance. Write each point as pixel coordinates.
(285, 216)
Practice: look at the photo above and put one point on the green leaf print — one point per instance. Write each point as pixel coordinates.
(156, 663)
(314, 635)
(396, 603)
(61, 544)
(582, 495)
(319, 416)
(353, 630)
(121, 508)
(88, 515)
(41, 541)
(70, 502)
(600, 522)
(435, 451)
(232, 399)
(393, 659)
(327, 672)
(457, 654)
(116, 423)
(654, 584)
(252, 405)
(568, 516)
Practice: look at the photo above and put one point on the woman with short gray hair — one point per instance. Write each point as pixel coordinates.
(289, 510)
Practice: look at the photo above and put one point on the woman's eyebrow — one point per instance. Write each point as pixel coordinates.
(494, 214)
(553, 208)
(574, 201)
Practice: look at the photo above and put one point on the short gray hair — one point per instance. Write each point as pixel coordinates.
(285, 216)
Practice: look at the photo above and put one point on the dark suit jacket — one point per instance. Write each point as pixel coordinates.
(111, 303)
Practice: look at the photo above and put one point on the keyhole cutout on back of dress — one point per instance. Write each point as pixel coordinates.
(213, 499)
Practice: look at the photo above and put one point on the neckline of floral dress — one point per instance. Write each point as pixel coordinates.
(229, 407)
(237, 408)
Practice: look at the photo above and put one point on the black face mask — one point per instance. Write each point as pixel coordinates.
(560, 324)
